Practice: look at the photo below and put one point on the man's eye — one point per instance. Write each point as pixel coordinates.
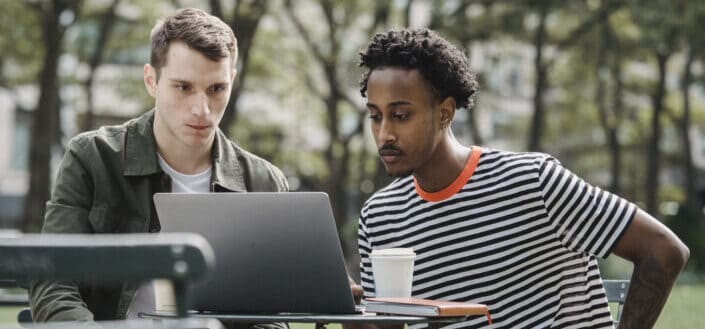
(183, 87)
(401, 116)
(375, 117)
(216, 89)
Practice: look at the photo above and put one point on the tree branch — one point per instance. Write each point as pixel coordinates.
(358, 128)
(302, 31)
(106, 25)
(34, 5)
(381, 15)
(312, 87)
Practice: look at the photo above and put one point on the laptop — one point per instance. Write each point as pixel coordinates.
(274, 252)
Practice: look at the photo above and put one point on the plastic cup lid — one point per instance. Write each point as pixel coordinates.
(393, 252)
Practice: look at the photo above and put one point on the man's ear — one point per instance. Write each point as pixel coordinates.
(150, 79)
(447, 111)
(234, 74)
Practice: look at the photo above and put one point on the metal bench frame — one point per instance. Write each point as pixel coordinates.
(108, 258)
(616, 292)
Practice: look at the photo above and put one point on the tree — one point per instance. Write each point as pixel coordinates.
(693, 24)
(611, 116)
(541, 78)
(542, 38)
(339, 18)
(18, 44)
(660, 34)
(458, 25)
(245, 19)
(55, 17)
(524, 21)
(107, 21)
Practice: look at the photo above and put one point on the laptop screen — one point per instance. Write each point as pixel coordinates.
(274, 252)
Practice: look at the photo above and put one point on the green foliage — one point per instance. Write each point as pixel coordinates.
(20, 58)
(689, 225)
(261, 138)
(290, 124)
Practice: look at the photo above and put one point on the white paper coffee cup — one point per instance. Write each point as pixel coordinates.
(393, 271)
(164, 299)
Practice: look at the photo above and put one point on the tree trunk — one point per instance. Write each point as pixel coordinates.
(612, 135)
(537, 121)
(335, 150)
(608, 121)
(45, 118)
(106, 26)
(688, 168)
(653, 160)
(245, 20)
(88, 118)
(407, 13)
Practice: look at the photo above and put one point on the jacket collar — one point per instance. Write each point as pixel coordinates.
(140, 147)
(141, 155)
(227, 171)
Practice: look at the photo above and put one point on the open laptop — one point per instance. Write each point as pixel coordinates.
(274, 252)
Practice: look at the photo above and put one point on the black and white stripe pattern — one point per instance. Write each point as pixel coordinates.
(521, 236)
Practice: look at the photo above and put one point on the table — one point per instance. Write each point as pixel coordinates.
(321, 320)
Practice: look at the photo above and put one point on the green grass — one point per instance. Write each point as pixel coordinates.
(8, 316)
(683, 310)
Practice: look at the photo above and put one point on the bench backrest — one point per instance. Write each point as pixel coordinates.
(179, 257)
(616, 291)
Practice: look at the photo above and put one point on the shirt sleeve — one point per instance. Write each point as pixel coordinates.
(584, 217)
(364, 249)
(66, 212)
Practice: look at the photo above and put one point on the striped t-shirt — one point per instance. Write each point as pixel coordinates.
(515, 231)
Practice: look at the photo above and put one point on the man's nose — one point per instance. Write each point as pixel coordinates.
(386, 133)
(200, 105)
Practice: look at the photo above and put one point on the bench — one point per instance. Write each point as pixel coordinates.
(108, 258)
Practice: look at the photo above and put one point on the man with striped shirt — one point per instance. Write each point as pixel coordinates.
(515, 231)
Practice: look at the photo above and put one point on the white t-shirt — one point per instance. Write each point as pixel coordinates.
(183, 183)
(146, 297)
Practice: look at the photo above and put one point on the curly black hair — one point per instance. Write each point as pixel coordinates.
(444, 66)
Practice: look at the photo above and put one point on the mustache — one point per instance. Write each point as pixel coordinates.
(388, 149)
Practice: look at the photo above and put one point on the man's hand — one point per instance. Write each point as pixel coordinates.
(357, 291)
(658, 256)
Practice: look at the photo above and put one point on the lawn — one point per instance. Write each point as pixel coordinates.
(8, 316)
(683, 310)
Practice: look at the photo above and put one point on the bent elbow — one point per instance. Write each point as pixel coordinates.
(684, 254)
(678, 254)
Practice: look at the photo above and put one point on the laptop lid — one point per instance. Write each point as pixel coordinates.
(274, 252)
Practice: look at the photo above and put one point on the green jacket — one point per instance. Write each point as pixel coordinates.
(105, 184)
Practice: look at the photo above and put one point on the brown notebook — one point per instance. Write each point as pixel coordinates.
(424, 307)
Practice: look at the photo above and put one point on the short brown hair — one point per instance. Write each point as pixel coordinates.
(205, 33)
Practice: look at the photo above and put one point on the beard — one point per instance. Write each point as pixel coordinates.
(399, 174)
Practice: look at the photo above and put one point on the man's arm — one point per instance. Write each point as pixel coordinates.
(658, 256)
(67, 212)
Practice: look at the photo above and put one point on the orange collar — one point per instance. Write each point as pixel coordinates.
(457, 184)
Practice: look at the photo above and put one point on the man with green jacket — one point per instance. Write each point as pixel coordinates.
(107, 177)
